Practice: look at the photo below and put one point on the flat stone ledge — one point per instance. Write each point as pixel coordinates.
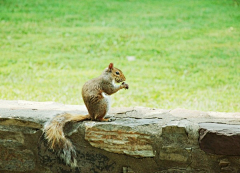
(167, 140)
(222, 139)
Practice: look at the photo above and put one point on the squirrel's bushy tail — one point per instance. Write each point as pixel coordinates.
(53, 131)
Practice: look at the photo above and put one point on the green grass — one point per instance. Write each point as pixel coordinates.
(187, 52)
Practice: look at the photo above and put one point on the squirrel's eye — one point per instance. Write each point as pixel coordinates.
(117, 73)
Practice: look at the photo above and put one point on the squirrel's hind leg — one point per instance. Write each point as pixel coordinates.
(104, 119)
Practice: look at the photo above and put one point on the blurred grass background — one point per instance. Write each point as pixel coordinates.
(187, 53)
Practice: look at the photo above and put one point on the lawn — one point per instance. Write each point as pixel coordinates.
(187, 53)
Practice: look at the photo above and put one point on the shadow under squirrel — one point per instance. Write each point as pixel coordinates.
(95, 93)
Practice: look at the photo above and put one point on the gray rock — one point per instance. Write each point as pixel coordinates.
(137, 139)
(222, 139)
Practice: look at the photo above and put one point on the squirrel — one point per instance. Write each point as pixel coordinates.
(96, 96)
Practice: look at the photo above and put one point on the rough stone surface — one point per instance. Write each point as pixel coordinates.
(137, 140)
(122, 137)
(222, 139)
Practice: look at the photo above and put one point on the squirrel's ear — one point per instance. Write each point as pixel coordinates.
(110, 67)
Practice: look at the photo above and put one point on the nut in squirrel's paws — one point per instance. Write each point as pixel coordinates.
(125, 85)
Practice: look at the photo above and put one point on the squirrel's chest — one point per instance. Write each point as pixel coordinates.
(107, 99)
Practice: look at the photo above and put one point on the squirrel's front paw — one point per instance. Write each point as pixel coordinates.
(124, 85)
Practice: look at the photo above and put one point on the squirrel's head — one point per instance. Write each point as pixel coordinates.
(115, 73)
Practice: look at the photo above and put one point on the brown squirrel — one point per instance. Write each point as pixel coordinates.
(95, 93)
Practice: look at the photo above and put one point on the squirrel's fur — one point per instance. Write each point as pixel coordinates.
(95, 95)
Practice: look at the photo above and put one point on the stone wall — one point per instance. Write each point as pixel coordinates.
(140, 140)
